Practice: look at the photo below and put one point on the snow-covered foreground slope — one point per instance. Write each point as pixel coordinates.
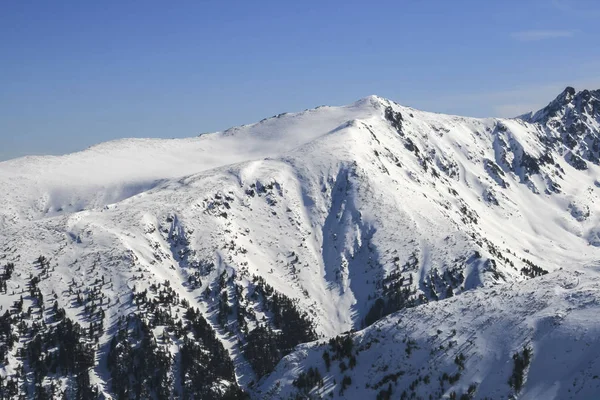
(464, 346)
(243, 244)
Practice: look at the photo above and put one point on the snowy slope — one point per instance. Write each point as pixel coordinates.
(341, 209)
(471, 339)
(112, 171)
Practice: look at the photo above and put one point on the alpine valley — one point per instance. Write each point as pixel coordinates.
(371, 251)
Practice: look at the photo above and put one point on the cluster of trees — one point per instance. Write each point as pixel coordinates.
(57, 353)
(443, 286)
(157, 307)
(264, 346)
(224, 309)
(5, 276)
(385, 394)
(346, 381)
(495, 251)
(308, 380)
(9, 387)
(139, 368)
(341, 347)
(7, 337)
(142, 366)
(521, 362)
(389, 303)
(202, 367)
(469, 395)
(262, 349)
(61, 350)
(157, 351)
(395, 292)
(531, 270)
(35, 292)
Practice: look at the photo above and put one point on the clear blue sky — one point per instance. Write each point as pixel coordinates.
(75, 73)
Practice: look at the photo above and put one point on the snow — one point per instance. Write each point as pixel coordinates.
(554, 315)
(340, 199)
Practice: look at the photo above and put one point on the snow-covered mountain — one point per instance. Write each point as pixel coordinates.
(227, 265)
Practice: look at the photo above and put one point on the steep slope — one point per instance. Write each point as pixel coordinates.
(243, 244)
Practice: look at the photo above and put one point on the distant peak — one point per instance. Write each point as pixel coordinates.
(569, 90)
(564, 98)
(568, 98)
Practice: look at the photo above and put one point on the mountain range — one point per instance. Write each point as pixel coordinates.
(365, 251)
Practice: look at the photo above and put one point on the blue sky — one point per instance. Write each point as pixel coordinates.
(75, 73)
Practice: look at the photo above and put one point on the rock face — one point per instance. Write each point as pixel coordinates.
(573, 120)
(224, 266)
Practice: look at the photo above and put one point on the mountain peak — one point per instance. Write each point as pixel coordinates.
(568, 102)
(568, 92)
(566, 96)
(371, 101)
(572, 120)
